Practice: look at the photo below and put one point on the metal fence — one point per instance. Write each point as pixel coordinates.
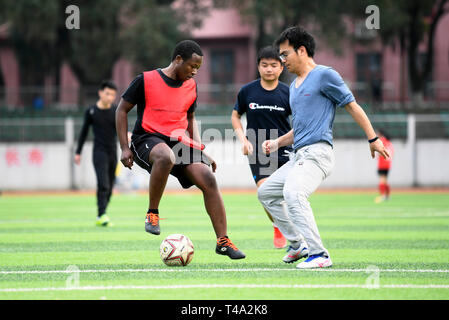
(213, 97)
(26, 142)
(399, 126)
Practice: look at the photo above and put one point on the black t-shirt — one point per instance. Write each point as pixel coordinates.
(135, 94)
(103, 125)
(265, 110)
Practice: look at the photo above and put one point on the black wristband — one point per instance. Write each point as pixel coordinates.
(373, 140)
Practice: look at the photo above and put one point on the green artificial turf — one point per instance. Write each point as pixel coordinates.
(393, 250)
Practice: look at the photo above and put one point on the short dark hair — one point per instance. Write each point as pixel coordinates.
(297, 37)
(108, 84)
(185, 49)
(269, 52)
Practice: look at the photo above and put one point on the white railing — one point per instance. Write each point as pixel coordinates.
(67, 130)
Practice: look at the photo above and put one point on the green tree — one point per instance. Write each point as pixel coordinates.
(408, 23)
(271, 17)
(33, 34)
(144, 31)
(412, 23)
(151, 33)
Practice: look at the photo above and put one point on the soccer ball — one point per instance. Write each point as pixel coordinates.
(176, 250)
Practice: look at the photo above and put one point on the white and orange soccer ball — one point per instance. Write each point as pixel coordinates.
(176, 250)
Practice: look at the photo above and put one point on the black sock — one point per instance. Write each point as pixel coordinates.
(155, 211)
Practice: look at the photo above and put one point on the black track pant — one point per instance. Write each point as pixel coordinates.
(105, 163)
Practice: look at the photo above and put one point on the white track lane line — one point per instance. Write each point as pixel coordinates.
(225, 286)
(221, 270)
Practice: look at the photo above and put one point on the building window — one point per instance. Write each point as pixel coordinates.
(369, 76)
(222, 74)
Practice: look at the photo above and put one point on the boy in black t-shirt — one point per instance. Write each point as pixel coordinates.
(266, 104)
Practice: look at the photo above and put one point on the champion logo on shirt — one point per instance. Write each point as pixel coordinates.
(256, 106)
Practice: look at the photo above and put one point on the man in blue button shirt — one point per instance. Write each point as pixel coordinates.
(314, 96)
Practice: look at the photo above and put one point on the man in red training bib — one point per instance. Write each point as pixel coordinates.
(166, 138)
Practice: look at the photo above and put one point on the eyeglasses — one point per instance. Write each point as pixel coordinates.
(284, 55)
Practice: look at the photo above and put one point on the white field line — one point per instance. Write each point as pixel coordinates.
(234, 286)
(219, 270)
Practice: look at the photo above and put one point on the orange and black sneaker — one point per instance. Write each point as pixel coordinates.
(152, 224)
(227, 248)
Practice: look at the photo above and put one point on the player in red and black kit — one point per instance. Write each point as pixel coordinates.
(166, 139)
(383, 167)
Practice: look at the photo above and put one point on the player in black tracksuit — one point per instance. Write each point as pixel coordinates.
(101, 117)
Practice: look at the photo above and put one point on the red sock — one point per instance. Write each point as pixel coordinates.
(387, 190)
(382, 188)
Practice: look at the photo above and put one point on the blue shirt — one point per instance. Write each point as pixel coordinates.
(314, 104)
(265, 110)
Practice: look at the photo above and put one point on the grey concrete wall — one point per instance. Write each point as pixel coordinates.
(48, 167)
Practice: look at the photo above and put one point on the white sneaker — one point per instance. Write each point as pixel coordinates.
(316, 261)
(296, 254)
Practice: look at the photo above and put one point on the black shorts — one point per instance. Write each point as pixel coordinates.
(383, 172)
(259, 174)
(141, 146)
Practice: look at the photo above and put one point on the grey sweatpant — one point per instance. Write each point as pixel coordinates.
(292, 184)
